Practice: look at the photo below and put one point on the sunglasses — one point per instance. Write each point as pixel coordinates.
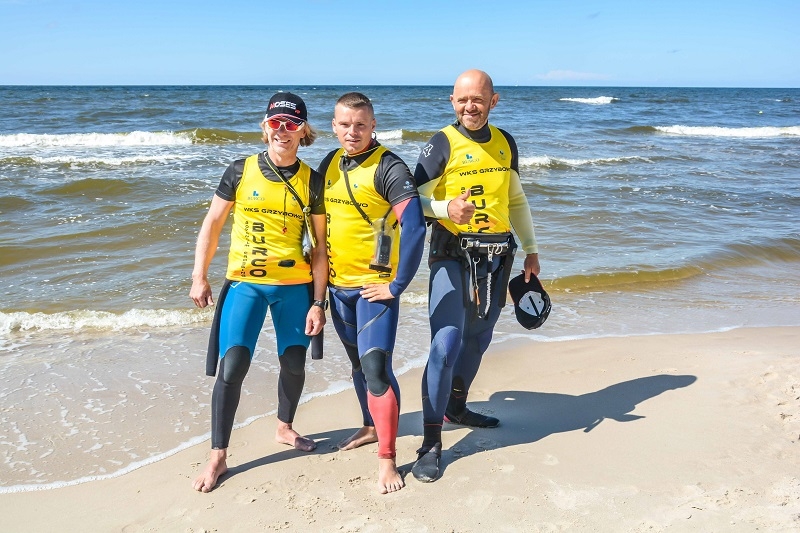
(288, 125)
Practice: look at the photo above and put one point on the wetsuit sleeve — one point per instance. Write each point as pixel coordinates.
(520, 214)
(393, 179)
(316, 189)
(412, 241)
(432, 159)
(430, 167)
(230, 180)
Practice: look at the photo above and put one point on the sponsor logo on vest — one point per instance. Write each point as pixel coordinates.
(470, 160)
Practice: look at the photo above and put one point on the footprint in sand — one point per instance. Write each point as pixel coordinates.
(486, 444)
(550, 460)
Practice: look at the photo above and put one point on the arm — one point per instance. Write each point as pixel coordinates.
(315, 319)
(457, 209)
(412, 242)
(522, 222)
(207, 241)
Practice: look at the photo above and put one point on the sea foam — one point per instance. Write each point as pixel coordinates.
(719, 131)
(99, 320)
(134, 138)
(599, 100)
(545, 161)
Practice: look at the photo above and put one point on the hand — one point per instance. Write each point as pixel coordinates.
(460, 210)
(315, 320)
(375, 292)
(200, 293)
(531, 266)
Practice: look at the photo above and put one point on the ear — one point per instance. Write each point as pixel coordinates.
(333, 125)
(494, 100)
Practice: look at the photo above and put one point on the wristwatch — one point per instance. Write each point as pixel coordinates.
(321, 303)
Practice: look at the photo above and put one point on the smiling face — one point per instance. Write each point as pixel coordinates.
(282, 144)
(353, 127)
(473, 97)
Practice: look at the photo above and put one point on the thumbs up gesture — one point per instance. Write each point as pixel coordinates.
(460, 210)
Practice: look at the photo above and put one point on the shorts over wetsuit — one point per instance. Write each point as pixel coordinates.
(377, 180)
(484, 162)
(266, 270)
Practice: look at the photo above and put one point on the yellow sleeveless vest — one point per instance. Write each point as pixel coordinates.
(266, 238)
(484, 169)
(351, 241)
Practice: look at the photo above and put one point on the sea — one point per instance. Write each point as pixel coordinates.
(657, 210)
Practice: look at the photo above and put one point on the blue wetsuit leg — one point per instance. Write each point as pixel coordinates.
(365, 326)
(446, 300)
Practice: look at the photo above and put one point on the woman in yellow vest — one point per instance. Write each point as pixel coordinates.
(274, 197)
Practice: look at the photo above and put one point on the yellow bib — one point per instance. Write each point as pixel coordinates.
(266, 238)
(351, 240)
(484, 169)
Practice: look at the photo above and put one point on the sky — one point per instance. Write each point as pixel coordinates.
(661, 43)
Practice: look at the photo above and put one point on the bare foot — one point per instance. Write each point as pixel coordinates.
(286, 435)
(389, 479)
(365, 435)
(216, 467)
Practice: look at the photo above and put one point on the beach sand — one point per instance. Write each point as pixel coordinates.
(652, 433)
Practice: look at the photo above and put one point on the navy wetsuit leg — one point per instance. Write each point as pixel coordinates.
(446, 296)
(343, 316)
(373, 327)
(476, 339)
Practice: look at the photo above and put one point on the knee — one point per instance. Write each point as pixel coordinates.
(444, 346)
(374, 366)
(293, 360)
(235, 364)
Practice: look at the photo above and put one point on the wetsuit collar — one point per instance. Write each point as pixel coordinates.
(360, 157)
(268, 167)
(479, 136)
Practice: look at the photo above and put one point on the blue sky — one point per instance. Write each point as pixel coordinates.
(713, 43)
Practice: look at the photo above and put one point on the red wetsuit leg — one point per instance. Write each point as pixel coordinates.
(385, 413)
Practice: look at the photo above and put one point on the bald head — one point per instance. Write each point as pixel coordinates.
(473, 97)
(475, 77)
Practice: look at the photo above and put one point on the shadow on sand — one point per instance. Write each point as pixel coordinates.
(531, 416)
(524, 417)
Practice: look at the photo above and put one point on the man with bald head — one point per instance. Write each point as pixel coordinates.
(468, 180)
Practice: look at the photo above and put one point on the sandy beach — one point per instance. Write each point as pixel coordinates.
(652, 433)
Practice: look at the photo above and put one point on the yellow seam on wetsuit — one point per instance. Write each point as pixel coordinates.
(258, 241)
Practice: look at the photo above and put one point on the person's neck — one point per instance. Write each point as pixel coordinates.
(372, 144)
(281, 160)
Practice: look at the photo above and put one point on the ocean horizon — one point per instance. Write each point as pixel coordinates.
(657, 210)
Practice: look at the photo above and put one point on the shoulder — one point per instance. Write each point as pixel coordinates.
(393, 179)
(509, 138)
(326, 162)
